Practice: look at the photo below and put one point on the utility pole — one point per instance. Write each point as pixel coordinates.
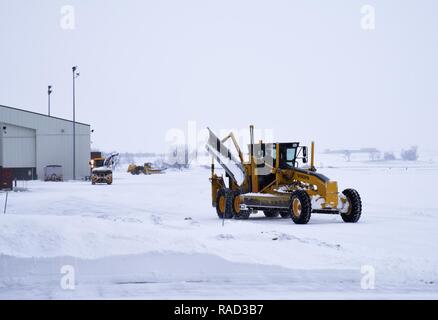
(49, 92)
(75, 75)
(6, 202)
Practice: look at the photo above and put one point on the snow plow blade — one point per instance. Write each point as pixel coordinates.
(232, 166)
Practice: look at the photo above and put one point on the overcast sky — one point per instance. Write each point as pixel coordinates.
(304, 69)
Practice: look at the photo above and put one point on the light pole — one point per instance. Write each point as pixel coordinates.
(49, 92)
(75, 75)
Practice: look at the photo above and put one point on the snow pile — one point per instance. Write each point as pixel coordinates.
(168, 220)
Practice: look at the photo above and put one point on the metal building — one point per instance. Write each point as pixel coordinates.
(31, 141)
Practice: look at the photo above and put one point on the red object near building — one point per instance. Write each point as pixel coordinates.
(5, 179)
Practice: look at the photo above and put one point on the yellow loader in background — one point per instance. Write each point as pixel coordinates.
(147, 169)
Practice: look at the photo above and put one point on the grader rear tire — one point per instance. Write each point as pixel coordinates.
(224, 203)
(238, 214)
(300, 207)
(352, 215)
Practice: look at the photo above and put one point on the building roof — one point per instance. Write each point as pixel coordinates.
(43, 115)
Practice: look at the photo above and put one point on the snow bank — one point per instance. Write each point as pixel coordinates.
(141, 215)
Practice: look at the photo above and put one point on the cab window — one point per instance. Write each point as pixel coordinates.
(287, 156)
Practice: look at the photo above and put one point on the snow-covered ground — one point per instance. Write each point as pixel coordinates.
(158, 237)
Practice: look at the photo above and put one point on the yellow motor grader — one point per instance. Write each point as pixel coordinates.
(273, 182)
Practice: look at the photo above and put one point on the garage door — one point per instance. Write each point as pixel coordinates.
(19, 150)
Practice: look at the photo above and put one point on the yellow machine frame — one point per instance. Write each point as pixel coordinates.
(276, 195)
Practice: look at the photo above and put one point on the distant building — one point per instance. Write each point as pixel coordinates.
(30, 141)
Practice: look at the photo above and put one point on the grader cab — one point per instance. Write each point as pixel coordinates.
(273, 182)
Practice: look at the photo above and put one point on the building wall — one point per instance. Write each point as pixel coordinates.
(53, 141)
(1, 145)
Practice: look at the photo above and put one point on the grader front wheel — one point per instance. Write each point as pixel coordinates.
(353, 209)
(300, 207)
